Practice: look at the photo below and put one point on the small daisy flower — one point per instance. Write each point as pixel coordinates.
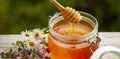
(37, 33)
(38, 42)
(31, 43)
(45, 37)
(26, 34)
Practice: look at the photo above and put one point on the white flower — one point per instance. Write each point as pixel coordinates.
(38, 42)
(45, 37)
(37, 33)
(31, 43)
(26, 34)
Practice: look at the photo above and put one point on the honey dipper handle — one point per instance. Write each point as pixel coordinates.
(59, 6)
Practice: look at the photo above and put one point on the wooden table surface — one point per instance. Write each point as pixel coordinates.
(108, 39)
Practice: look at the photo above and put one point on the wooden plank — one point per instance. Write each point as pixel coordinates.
(108, 39)
(7, 40)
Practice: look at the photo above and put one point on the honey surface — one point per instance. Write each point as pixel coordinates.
(61, 50)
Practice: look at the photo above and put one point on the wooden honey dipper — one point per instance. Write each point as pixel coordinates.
(68, 13)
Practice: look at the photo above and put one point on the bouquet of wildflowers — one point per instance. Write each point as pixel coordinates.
(34, 46)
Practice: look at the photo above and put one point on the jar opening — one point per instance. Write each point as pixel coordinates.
(88, 19)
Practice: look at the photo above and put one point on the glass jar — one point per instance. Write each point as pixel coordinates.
(63, 45)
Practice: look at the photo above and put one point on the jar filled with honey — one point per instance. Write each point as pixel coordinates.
(64, 43)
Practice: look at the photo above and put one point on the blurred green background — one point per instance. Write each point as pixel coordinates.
(19, 15)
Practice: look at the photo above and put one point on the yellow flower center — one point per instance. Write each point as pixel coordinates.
(31, 44)
(37, 34)
(27, 35)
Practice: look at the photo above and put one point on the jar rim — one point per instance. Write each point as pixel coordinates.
(91, 33)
